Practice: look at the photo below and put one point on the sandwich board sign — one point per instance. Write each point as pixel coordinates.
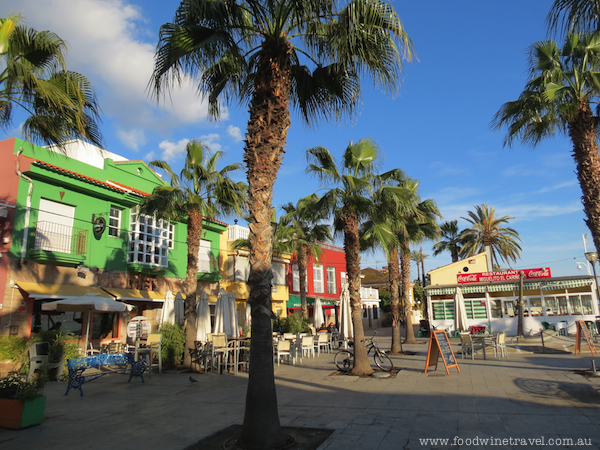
(439, 347)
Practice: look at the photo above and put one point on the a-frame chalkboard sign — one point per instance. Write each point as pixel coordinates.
(439, 346)
(582, 329)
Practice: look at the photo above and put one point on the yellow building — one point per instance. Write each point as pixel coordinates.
(235, 268)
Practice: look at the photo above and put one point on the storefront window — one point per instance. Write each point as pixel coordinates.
(105, 326)
(586, 301)
(443, 310)
(551, 308)
(562, 306)
(509, 308)
(535, 305)
(575, 304)
(65, 322)
(496, 307)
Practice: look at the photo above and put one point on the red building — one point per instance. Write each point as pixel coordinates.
(323, 279)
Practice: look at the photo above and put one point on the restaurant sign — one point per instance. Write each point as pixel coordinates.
(502, 275)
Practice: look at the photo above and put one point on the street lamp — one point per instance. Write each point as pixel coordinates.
(593, 257)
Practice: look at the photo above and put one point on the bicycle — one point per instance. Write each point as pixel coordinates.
(344, 359)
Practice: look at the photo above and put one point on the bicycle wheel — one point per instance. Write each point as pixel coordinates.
(344, 360)
(383, 361)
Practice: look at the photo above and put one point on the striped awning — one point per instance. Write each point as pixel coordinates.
(544, 285)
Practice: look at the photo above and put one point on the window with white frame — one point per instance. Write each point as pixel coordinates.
(114, 222)
(204, 256)
(149, 239)
(279, 274)
(241, 269)
(331, 281)
(296, 279)
(318, 282)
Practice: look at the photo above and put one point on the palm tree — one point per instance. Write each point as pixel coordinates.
(61, 104)
(574, 15)
(306, 234)
(270, 54)
(563, 85)
(415, 256)
(199, 191)
(450, 240)
(348, 199)
(486, 231)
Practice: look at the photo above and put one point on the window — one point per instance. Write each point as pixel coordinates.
(331, 281)
(443, 310)
(279, 274)
(575, 304)
(318, 284)
(375, 312)
(562, 306)
(149, 239)
(54, 228)
(105, 326)
(475, 309)
(509, 308)
(586, 301)
(241, 269)
(496, 307)
(204, 256)
(296, 279)
(114, 222)
(365, 312)
(535, 305)
(551, 308)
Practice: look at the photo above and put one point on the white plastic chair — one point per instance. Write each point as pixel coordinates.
(154, 345)
(283, 348)
(308, 346)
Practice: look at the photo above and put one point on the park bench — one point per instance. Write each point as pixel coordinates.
(104, 364)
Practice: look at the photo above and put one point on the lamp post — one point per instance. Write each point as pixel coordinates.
(593, 257)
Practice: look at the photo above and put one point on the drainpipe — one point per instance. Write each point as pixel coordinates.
(27, 207)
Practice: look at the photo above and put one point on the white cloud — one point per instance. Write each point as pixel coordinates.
(235, 133)
(132, 139)
(210, 140)
(172, 151)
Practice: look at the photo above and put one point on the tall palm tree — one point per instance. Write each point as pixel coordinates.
(574, 15)
(348, 200)
(450, 240)
(306, 234)
(415, 256)
(270, 54)
(61, 104)
(563, 84)
(486, 230)
(200, 190)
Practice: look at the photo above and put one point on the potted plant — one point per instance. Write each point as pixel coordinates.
(22, 402)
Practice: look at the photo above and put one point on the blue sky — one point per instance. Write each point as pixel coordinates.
(471, 60)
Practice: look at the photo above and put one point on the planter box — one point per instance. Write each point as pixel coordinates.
(17, 415)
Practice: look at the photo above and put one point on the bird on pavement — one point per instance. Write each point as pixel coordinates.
(192, 380)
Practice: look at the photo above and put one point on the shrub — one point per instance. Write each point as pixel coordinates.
(15, 386)
(294, 323)
(172, 344)
(16, 349)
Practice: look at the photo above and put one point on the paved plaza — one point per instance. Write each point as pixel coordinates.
(528, 401)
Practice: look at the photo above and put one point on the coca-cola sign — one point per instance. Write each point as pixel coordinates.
(502, 275)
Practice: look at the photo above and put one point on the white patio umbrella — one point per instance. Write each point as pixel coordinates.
(223, 314)
(248, 316)
(91, 302)
(202, 318)
(346, 326)
(234, 315)
(168, 309)
(318, 316)
(460, 312)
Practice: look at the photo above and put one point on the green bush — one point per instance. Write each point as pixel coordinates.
(294, 323)
(15, 386)
(16, 349)
(172, 344)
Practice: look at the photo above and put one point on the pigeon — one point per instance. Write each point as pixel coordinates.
(192, 380)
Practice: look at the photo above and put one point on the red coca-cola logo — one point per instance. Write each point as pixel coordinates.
(472, 277)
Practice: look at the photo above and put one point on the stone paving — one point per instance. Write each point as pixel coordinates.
(525, 401)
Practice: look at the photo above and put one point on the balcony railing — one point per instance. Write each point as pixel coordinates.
(238, 232)
(56, 237)
(369, 294)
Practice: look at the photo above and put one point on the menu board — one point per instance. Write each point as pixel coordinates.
(582, 329)
(439, 346)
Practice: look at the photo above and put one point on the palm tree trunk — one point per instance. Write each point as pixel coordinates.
(352, 250)
(194, 231)
(405, 271)
(302, 267)
(394, 275)
(267, 132)
(585, 152)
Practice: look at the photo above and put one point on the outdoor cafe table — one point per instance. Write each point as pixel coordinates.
(484, 340)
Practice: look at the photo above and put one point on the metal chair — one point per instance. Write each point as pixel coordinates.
(468, 346)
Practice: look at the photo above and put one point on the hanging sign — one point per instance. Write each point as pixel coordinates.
(439, 346)
(502, 275)
(582, 329)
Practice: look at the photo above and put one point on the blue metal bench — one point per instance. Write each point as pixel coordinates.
(78, 366)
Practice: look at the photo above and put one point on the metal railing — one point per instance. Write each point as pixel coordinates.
(56, 237)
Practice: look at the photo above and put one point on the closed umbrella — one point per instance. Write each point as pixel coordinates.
(460, 312)
(346, 326)
(248, 316)
(179, 307)
(202, 318)
(91, 302)
(318, 316)
(168, 310)
(222, 314)
(233, 315)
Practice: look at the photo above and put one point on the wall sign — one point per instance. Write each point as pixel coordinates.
(502, 275)
(98, 226)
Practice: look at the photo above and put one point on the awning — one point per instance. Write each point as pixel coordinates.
(295, 301)
(55, 291)
(128, 295)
